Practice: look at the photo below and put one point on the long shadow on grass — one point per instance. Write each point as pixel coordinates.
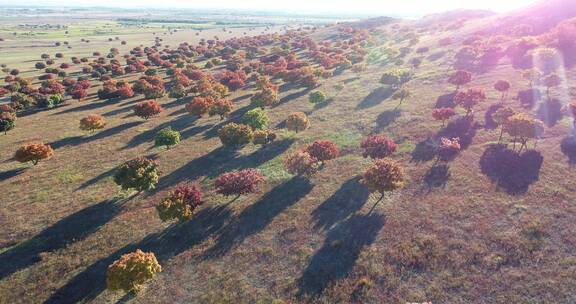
(489, 122)
(178, 238)
(177, 124)
(69, 229)
(92, 105)
(339, 252)
(386, 118)
(446, 101)
(222, 160)
(77, 140)
(376, 97)
(293, 96)
(437, 176)
(96, 179)
(568, 147)
(509, 170)
(550, 112)
(259, 215)
(10, 174)
(350, 198)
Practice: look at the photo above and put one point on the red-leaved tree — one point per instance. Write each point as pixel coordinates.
(378, 146)
(239, 182)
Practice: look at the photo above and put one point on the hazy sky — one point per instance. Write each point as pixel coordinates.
(372, 7)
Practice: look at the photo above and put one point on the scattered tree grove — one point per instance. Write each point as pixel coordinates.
(131, 271)
(139, 174)
(33, 153)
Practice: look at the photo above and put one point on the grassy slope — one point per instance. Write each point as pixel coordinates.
(296, 237)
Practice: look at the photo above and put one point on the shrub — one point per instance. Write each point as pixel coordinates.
(378, 146)
(199, 105)
(469, 98)
(401, 95)
(322, 150)
(502, 86)
(139, 174)
(395, 77)
(92, 122)
(147, 109)
(256, 118)
(443, 114)
(79, 94)
(460, 78)
(178, 91)
(221, 107)
(262, 137)
(317, 97)
(14, 72)
(151, 72)
(548, 60)
(523, 127)
(266, 97)
(532, 75)
(167, 137)
(301, 163)
(234, 134)
(33, 153)
(180, 203)
(384, 175)
(7, 121)
(239, 182)
(40, 65)
(501, 117)
(131, 271)
(297, 121)
(154, 92)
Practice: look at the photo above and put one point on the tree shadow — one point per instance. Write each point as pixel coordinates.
(292, 96)
(351, 196)
(568, 147)
(425, 150)
(489, 122)
(376, 97)
(177, 124)
(178, 112)
(96, 179)
(77, 140)
(70, 229)
(529, 98)
(86, 107)
(339, 253)
(437, 176)
(436, 56)
(386, 118)
(222, 160)
(89, 283)
(243, 97)
(445, 101)
(509, 170)
(121, 110)
(259, 215)
(550, 112)
(10, 174)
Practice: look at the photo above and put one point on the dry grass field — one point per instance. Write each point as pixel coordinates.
(485, 227)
